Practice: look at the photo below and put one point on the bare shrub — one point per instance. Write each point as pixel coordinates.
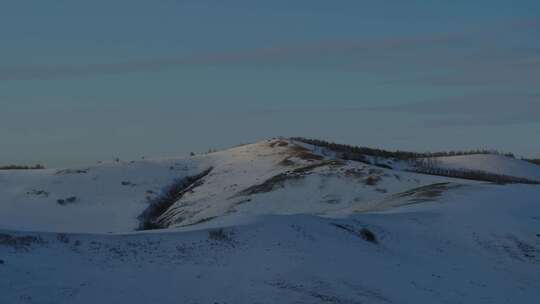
(219, 235)
(71, 171)
(357, 153)
(69, 200)
(372, 180)
(475, 175)
(62, 237)
(22, 167)
(368, 235)
(35, 192)
(149, 219)
(19, 242)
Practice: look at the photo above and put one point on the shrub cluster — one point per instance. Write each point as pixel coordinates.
(18, 167)
(475, 175)
(158, 206)
(534, 161)
(350, 152)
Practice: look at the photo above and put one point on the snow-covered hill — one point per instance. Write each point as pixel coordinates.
(268, 177)
(491, 163)
(272, 222)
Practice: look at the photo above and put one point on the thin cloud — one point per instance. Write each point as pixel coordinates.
(483, 120)
(261, 55)
(517, 70)
(470, 110)
(255, 56)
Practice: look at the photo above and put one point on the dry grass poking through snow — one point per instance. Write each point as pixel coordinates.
(296, 151)
(279, 180)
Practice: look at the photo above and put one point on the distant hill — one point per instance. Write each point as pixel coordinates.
(497, 164)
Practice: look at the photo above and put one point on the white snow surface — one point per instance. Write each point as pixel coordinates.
(498, 164)
(301, 240)
(109, 197)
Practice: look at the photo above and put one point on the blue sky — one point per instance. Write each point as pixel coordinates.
(82, 81)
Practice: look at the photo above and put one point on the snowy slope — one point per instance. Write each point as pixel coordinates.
(455, 250)
(498, 164)
(270, 222)
(255, 180)
(108, 197)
